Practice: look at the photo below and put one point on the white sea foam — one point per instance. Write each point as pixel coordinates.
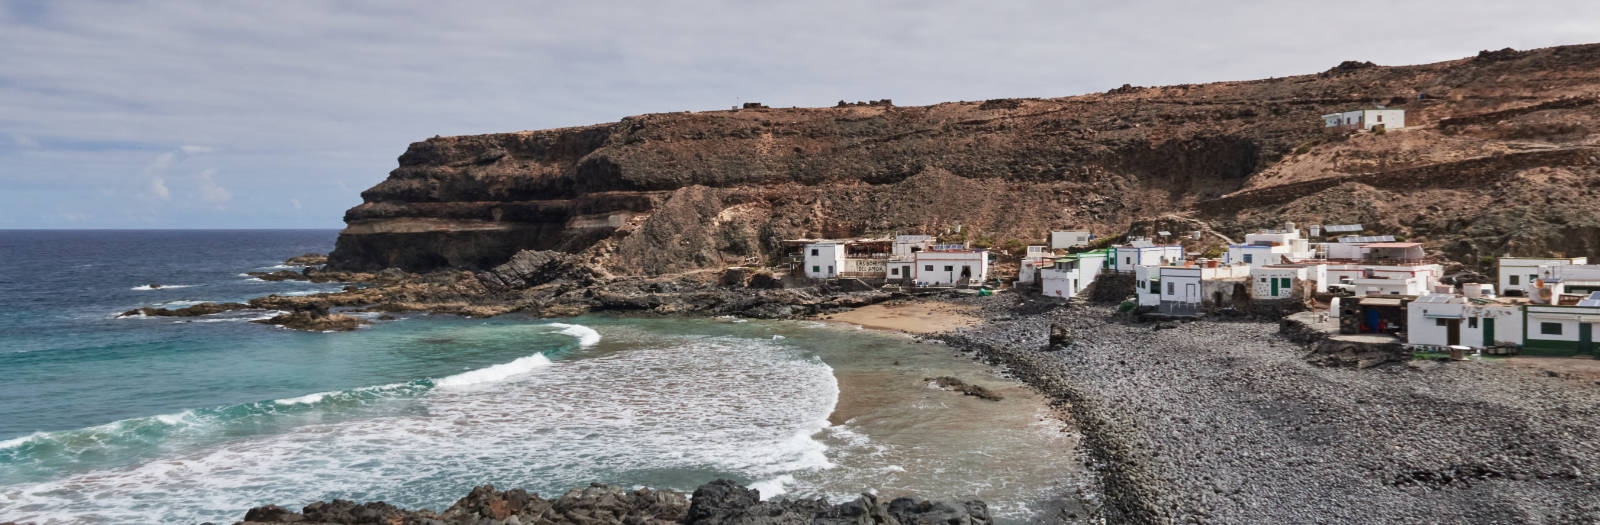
(303, 400)
(747, 407)
(773, 487)
(162, 286)
(174, 419)
(587, 337)
(777, 338)
(16, 442)
(496, 373)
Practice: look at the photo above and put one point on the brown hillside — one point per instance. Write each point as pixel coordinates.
(1498, 156)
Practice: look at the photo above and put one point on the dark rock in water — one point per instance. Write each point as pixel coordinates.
(153, 286)
(313, 321)
(962, 386)
(192, 311)
(719, 502)
(280, 275)
(309, 259)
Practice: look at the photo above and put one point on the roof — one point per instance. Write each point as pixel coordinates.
(1592, 300)
(1394, 245)
(1379, 301)
(1441, 298)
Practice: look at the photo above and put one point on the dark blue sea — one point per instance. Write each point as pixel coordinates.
(108, 419)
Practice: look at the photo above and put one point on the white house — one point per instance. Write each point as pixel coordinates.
(1270, 247)
(902, 261)
(1185, 288)
(1071, 274)
(1147, 284)
(1036, 258)
(1278, 281)
(1517, 274)
(824, 260)
(1440, 320)
(948, 266)
(1560, 330)
(1125, 258)
(1366, 119)
(1069, 239)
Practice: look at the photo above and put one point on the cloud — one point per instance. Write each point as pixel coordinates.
(156, 172)
(209, 190)
(295, 203)
(300, 93)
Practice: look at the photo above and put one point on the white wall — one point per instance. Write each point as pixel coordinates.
(947, 267)
(1261, 282)
(1389, 118)
(824, 260)
(1180, 284)
(1067, 239)
(1145, 277)
(1525, 269)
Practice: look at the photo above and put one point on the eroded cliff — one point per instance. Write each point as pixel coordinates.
(1496, 157)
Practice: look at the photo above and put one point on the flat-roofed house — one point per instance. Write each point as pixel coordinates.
(1517, 274)
(1365, 119)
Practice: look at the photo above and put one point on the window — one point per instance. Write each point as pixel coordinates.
(927, 268)
(1263, 280)
(816, 269)
(1513, 280)
(1248, 258)
(813, 252)
(1472, 322)
(1441, 322)
(949, 268)
(1171, 290)
(894, 271)
(1380, 118)
(1550, 328)
(1284, 282)
(1532, 278)
(1127, 260)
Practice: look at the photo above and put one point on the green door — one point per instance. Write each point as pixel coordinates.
(1586, 337)
(1274, 286)
(1488, 331)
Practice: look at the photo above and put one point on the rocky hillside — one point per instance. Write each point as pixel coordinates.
(1499, 157)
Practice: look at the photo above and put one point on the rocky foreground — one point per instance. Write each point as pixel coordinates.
(1228, 422)
(718, 502)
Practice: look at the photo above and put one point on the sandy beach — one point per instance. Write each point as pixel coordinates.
(912, 317)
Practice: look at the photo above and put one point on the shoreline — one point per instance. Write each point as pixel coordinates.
(1226, 421)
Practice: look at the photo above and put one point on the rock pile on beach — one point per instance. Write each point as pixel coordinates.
(1228, 422)
(720, 502)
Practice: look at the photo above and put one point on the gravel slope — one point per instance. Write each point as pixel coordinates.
(1224, 422)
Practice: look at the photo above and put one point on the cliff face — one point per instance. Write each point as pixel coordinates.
(1496, 157)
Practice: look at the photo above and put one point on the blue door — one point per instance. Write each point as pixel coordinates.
(1373, 320)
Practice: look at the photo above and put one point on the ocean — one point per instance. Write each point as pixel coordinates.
(146, 419)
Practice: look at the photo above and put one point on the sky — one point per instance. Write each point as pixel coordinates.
(179, 114)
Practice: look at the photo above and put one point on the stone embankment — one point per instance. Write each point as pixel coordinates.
(1229, 422)
(720, 502)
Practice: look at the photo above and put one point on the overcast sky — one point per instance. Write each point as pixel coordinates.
(277, 114)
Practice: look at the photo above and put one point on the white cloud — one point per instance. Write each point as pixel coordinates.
(209, 190)
(156, 171)
(295, 203)
(299, 93)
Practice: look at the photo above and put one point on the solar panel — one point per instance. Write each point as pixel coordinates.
(1342, 228)
(1365, 240)
(949, 247)
(1593, 300)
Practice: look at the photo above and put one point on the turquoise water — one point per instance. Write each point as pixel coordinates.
(144, 420)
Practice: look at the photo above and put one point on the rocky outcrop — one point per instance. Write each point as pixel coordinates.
(720, 502)
(671, 192)
(206, 308)
(529, 268)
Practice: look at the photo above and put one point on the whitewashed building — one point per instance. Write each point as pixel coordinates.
(1070, 275)
(824, 260)
(1147, 284)
(1270, 247)
(1441, 320)
(902, 263)
(1184, 289)
(1280, 281)
(951, 265)
(1126, 258)
(1366, 119)
(1069, 239)
(1560, 330)
(1517, 275)
(1035, 259)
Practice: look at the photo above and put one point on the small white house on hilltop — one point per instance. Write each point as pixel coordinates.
(1071, 275)
(1366, 119)
(1069, 239)
(1137, 253)
(1270, 247)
